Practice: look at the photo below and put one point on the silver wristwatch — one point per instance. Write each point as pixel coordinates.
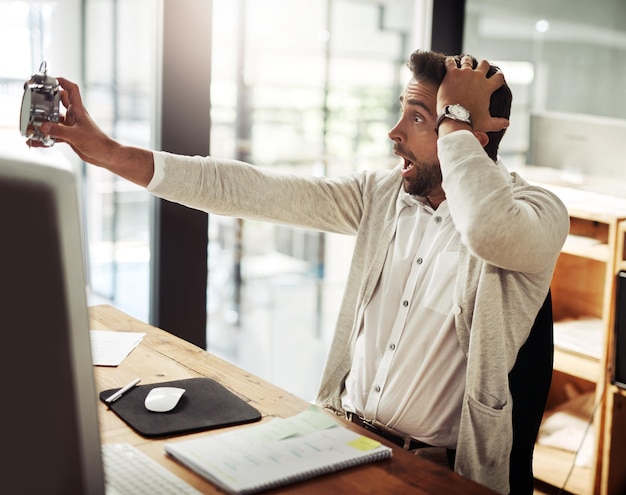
(454, 112)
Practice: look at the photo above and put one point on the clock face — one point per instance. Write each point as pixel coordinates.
(37, 107)
(25, 113)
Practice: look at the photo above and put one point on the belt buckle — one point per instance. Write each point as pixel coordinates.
(386, 432)
(370, 426)
(403, 441)
(381, 430)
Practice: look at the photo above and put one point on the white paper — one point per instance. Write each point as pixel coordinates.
(255, 458)
(111, 348)
(581, 335)
(312, 419)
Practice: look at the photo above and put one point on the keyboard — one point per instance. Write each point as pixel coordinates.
(128, 471)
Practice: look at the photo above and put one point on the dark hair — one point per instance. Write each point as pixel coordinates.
(431, 67)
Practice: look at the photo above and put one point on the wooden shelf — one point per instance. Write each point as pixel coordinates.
(553, 466)
(613, 472)
(595, 251)
(613, 479)
(617, 390)
(583, 289)
(621, 247)
(577, 365)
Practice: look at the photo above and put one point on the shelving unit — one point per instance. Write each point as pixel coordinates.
(613, 479)
(583, 293)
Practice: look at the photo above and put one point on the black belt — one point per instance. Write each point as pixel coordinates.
(407, 442)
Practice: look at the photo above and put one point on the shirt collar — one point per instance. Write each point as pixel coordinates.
(405, 199)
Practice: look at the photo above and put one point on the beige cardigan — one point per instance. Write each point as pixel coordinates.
(511, 235)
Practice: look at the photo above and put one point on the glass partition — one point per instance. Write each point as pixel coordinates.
(307, 87)
(30, 33)
(109, 47)
(120, 85)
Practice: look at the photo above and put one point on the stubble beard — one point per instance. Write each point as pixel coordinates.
(426, 178)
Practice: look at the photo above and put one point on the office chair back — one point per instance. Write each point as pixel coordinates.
(529, 382)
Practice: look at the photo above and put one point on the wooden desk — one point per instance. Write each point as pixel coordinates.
(162, 357)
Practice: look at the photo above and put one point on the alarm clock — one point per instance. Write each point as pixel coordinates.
(40, 103)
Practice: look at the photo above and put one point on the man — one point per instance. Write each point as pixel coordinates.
(453, 257)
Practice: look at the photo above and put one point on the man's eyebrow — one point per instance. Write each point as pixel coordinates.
(418, 103)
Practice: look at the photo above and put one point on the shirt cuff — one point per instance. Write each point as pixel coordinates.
(159, 171)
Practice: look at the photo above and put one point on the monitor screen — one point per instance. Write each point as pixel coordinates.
(49, 415)
(619, 351)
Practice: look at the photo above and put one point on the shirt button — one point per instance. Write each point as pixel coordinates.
(437, 219)
(377, 388)
(405, 303)
(419, 261)
(392, 346)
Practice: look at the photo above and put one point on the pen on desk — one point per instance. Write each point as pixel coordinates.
(122, 391)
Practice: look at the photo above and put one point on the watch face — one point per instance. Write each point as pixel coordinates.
(459, 112)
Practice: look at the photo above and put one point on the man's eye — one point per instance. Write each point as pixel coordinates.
(417, 118)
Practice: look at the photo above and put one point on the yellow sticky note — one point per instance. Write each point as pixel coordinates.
(364, 443)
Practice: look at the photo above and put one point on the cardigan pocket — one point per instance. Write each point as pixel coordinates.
(438, 296)
(486, 442)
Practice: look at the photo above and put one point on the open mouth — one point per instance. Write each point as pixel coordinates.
(407, 167)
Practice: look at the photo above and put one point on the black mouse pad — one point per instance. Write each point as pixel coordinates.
(205, 405)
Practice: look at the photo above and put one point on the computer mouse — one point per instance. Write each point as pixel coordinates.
(163, 399)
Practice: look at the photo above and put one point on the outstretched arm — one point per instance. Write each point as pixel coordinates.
(92, 145)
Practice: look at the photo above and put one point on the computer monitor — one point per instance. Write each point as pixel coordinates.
(50, 436)
(619, 350)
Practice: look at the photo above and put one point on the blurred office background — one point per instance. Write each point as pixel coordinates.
(307, 86)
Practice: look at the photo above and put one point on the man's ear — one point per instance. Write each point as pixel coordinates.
(482, 137)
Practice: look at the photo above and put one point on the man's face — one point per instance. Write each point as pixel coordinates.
(415, 139)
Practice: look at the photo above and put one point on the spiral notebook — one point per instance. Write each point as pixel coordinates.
(283, 451)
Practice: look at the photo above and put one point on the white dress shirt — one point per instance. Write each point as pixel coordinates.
(408, 370)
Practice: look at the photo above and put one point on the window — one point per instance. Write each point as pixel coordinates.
(120, 81)
(119, 88)
(313, 89)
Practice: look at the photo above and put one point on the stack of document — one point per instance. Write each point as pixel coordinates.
(581, 335)
(111, 348)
